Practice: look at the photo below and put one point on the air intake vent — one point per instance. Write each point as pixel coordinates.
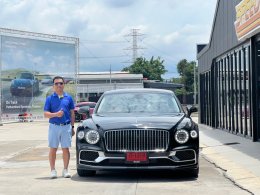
(185, 155)
(88, 155)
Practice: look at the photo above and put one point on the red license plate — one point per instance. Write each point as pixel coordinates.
(136, 157)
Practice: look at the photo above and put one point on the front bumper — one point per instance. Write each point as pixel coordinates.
(91, 159)
(25, 91)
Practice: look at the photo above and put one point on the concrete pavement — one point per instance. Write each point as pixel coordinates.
(239, 157)
(24, 169)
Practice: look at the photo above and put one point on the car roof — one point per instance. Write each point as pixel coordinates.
(139, 90)
(24, 72)
(80, 103)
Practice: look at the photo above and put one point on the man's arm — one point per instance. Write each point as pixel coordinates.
(72, 120)
(48, 114)
(47, 109)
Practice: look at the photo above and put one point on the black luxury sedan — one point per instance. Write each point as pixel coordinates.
(141, 129)
(24, 84)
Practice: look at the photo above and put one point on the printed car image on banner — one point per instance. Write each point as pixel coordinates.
(28, 67)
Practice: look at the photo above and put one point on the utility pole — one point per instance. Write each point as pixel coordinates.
(134, 34)
(1, 81)
(110, 74)
(134, 47)
(195, 91)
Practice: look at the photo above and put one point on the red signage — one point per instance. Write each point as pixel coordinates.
(247, 21)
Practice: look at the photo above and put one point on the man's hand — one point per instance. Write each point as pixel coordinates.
(60, 113)
(72, 132)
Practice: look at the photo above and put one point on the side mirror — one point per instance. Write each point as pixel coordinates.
(84, 110)
(191, 109)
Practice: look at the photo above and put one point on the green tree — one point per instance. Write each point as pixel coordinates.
(186, 71)
(152, 69)
(176, 80)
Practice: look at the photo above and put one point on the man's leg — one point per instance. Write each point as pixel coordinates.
(66, 157)
(65, 145)
(53, 138)
(52, 157)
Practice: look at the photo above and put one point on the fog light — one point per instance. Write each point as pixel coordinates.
(194, 134)
(81, 134)
(181, 136)
(92, 137)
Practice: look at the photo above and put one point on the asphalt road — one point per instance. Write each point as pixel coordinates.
(24, 169)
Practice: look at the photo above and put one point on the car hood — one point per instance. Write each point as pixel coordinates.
(162, 122)
(22, 82)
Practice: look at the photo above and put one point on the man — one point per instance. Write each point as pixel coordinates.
(59, 108)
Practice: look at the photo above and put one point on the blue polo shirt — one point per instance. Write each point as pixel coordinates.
(54, 104)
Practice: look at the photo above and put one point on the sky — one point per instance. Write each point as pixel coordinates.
(168, 29)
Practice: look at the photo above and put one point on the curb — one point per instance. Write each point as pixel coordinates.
(239, 175)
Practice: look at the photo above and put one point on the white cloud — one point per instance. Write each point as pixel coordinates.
(37, 60)
(170, 38)
(171, 27)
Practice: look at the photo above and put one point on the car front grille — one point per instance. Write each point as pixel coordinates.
(136, 140)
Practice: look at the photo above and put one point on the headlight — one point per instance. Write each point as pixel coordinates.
(181, 136)
(81, 134)
(92, 137)
(194, 134)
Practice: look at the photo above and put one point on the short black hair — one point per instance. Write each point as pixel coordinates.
(57, 77)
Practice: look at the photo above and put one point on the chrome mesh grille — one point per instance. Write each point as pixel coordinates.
(136, 140)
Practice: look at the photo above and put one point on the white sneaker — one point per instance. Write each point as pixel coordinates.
(53, 174)
(65, 173)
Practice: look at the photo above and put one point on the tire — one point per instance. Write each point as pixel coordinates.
(13, 94)
(85, 173)
(88, 115)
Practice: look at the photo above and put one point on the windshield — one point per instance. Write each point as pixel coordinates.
(156, 103)
(25, 76)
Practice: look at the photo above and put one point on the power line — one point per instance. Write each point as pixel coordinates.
(100, 41)
(98, 57)
(101, 63)
(161, 51)
(93, 56)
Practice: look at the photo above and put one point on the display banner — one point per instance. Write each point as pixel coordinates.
(27, 69)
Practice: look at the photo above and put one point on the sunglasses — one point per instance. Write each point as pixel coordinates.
(58, 83)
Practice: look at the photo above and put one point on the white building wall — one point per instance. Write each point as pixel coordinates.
(101, 88)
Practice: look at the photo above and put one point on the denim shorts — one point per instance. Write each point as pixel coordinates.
(59, 135)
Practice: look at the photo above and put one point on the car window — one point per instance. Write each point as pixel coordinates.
(47, 77)
(139, 103)
(90, 105)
